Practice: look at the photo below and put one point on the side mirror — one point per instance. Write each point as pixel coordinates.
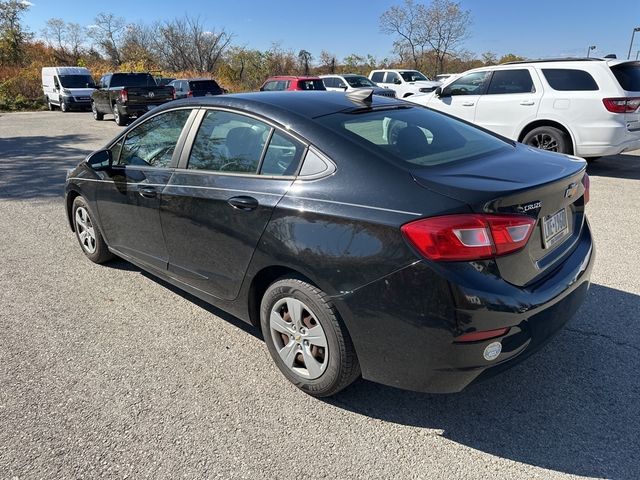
(438, 92)
(397, 81)
(100, 160)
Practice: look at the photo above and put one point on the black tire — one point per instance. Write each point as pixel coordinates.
(548, 138)
(96, 251)
(49, 104)
(96, 114)
(592, 159)
(339, 357)
(64, 108)
(121, 120)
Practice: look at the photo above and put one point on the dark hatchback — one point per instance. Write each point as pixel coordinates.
(363, 235)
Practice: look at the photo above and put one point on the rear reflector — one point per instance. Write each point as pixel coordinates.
(587, 184)
(622, 104)
(469, 237)
(483, 335)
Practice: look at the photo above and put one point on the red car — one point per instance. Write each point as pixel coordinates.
(286, 82)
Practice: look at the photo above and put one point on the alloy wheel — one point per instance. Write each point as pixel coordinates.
(85, 230)
(299, 338)
(544, 141)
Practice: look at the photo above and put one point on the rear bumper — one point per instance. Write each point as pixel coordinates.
(602, 140)
(135, 110)
(404, 326)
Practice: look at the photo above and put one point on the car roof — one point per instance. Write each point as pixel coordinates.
(284, 105)
(292, 77)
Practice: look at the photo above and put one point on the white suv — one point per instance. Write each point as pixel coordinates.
(585, 107)
(404, 82)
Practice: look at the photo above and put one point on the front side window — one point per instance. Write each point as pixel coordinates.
(511, 81)
(413, 76)
(414, 137)
(564, 79)
(392, 77)
(471, 84)
(228, 142)
(152, 143)
(330, 82)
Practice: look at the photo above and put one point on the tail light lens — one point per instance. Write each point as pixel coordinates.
(469, 236)
(481, 335)
(173, 93)
(587, 184)
(124, 95)
(189, 93)
(622, 104)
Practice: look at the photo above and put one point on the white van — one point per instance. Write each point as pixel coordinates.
(67, 87)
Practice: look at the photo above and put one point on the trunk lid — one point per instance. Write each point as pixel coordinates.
(149, 95)
(522, 180)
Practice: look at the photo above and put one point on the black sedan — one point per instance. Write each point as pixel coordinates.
(364, 235)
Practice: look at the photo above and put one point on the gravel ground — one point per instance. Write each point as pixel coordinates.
(108, 372)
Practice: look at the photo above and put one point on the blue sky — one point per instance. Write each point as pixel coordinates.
(543, 28)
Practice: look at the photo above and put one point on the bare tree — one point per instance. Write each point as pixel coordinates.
(107, 32)
(138, 45)
(65, 39)
(406, 21)
(489, 58)
(446, 27)
(185, 44)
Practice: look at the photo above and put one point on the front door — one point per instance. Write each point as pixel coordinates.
(215, 209)
(128, 198)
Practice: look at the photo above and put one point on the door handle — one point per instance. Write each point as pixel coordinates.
(147, 192)
(527, 102)
(468, 104)
(243, 202)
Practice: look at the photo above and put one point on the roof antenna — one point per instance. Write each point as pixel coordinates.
(361, 95)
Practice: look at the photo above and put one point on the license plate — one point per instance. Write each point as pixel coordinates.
(554, 228)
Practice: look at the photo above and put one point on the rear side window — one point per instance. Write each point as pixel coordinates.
(414, 137)
(210, 86)
(511, 81)
(564, 79)
(377, 77)
(311, 85)
(151, 144)
(228, 142)
(628, 75)
(283, 155)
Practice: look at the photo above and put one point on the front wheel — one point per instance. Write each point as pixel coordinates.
(64, 108)
(49, 104)
(306, 338)
(121, 120)
(548, 138)
(88, 233)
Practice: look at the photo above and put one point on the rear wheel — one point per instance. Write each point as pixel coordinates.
(96, 114)
(88, 233)
(121, 120)
(306, 338)
(548, 138)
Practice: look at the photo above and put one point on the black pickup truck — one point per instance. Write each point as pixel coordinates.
(127, 95)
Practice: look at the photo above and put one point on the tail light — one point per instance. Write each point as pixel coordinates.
(622, 105)
(189, 93)
(124, 95)
(481, 335)
(587, 183)
(173, 92)
(469, 236)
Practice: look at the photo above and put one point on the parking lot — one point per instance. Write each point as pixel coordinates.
(106, 371)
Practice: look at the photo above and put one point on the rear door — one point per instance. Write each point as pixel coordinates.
(460, 98)
(219, 202)
(511, 99)
(128, 196)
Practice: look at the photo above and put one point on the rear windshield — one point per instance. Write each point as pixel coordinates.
(205, 85)
(628, 75)
(132, 80)
(359, 82)
(415, 137)
(77, 81)
(311, 85)
(564, 79)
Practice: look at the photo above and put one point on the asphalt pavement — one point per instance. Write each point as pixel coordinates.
(108, 372)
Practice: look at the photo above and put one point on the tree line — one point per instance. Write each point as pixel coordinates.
(429, 37)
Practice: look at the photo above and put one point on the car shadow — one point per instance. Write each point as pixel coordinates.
(572, 407)
(616, 166)
(36, 166)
